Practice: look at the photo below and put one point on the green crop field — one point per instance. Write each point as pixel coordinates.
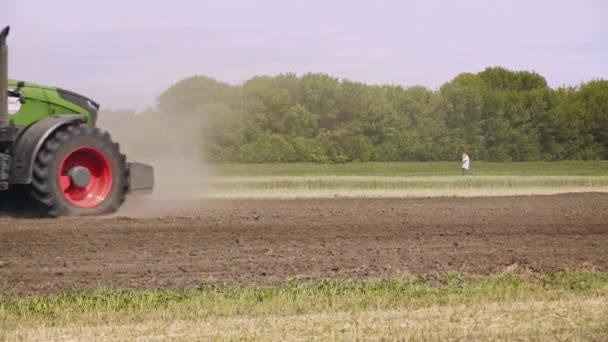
(560, 306)
(401, 179)
(408, 169)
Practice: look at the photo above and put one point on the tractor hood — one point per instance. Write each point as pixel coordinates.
(61, 100)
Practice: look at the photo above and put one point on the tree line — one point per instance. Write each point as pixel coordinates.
(494, 115)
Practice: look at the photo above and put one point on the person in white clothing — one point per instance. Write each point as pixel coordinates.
(466, 163)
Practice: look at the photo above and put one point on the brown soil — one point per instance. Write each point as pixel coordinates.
(268, 241)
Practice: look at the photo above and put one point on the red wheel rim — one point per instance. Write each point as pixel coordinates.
(101, 177)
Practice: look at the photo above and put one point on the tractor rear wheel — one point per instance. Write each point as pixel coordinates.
(79, 171)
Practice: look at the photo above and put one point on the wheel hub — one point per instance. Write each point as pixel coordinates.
(80, 176)
(85, 177)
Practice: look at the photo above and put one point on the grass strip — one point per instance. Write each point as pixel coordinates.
(564, 304)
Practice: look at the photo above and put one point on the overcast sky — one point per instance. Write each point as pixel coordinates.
(124, 53)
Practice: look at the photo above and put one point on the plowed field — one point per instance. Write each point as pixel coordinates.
(268, 241)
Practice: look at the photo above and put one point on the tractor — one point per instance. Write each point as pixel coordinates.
(52, 153)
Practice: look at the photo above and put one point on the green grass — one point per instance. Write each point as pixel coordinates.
(408, 169)
(390, 179)
(304, 297)
(411, 182)
(582, 296)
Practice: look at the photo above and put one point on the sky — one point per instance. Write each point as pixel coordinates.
(125, 53)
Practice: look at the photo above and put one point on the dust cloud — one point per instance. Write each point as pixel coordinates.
(174, 146)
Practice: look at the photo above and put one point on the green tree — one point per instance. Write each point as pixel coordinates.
(465, 96)
(319, 94)
(497, 114)
(592, 102)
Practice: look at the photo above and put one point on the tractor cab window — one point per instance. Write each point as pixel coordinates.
(14, 104)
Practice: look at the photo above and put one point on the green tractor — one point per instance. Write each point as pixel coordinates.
(52, 152)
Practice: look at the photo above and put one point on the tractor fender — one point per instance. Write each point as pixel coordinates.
(30, 142)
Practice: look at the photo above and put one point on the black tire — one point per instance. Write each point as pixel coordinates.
(45, 188)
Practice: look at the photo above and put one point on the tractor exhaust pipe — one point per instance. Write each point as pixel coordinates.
(4, 78)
